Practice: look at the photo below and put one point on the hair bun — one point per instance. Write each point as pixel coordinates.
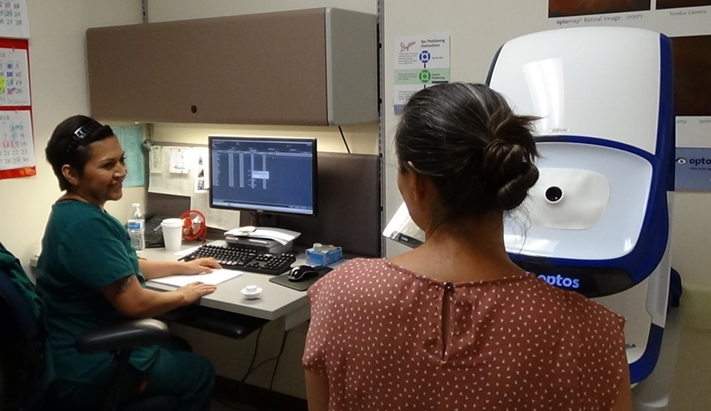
(510, 172)
(477, 152)
(512, 193)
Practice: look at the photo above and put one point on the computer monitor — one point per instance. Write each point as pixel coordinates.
(266, 175)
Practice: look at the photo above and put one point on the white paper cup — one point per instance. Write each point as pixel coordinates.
(172, 233)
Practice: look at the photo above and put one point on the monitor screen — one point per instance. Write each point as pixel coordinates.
(274, 175)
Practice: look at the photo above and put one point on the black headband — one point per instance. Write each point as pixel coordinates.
(82, 133)
(85, 130)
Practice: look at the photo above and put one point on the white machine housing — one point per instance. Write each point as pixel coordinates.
(597, 221)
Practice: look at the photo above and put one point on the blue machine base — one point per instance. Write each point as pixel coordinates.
(643, 367)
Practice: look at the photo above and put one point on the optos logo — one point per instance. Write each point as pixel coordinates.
(560, 281)
(694, 161)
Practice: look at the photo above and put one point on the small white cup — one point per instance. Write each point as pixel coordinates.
(251, 292)
(172, 233)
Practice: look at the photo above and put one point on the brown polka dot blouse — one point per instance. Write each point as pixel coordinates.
(377, 335)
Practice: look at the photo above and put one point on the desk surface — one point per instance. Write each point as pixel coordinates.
(275, 301)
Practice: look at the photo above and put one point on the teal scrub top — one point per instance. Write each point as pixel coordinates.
(84, 250)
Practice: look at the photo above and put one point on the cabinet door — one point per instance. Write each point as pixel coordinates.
(250, 69)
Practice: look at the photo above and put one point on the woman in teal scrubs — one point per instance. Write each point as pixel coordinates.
(89, 276)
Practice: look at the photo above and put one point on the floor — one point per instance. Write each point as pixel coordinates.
(217, 405)
(221, 405)
(650, 395)
(229, 395)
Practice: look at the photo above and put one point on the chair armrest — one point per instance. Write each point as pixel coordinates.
(128, 334)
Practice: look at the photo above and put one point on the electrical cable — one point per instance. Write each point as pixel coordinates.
(281, 351)
(254, 355)
(251, 369)
(344, 139)
(240, 389)
(259, 366)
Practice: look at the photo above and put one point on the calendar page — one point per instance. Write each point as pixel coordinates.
(13, 19)
(14, 77)
(16, 142)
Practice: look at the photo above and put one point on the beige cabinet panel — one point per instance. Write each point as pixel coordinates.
(304, 67)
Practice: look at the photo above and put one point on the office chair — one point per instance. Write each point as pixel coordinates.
(23, 355)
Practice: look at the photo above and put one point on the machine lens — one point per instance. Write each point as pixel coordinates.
(554, 194)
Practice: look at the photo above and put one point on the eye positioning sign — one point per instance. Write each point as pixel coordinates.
(421, 61)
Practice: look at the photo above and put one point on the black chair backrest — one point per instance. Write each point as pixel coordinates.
(22, 350)
(23, 359)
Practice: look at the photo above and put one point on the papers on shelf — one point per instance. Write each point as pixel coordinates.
(214, 278)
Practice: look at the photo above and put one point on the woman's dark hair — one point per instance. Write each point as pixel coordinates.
(69, 144)
(466, 138)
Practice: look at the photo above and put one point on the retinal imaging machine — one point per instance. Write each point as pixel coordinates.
(598, 219)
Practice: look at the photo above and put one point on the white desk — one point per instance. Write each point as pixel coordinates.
(275, 302)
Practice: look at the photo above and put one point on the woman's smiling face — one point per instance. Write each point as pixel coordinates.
(102, 179)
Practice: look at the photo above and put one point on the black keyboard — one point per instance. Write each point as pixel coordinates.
(245, 259)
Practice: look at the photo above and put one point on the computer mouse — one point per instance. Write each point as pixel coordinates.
(304, 272)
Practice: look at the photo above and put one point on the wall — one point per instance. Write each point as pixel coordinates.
(361, 138)
(167, 10)
(59, 90)
(477, 30)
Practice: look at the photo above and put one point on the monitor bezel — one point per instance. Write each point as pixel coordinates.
(265, 210)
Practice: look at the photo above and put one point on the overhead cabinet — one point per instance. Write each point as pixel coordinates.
(304, 67)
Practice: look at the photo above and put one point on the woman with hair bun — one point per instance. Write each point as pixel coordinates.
(454, 323)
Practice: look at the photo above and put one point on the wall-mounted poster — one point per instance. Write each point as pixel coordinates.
(563, 8)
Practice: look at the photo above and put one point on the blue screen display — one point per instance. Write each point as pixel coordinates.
(263, 174)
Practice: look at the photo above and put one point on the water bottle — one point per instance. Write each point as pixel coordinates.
(136, 227)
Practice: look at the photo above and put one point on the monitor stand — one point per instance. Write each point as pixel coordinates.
(258, 219)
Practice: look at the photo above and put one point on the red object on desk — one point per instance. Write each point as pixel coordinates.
(194, 225)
